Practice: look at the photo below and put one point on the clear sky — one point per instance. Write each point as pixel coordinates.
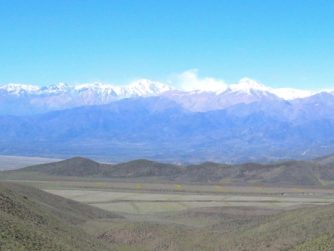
(277, 42)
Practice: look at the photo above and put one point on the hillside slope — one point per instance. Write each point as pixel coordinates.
(35, 220)
(309, 228)
(301, 229)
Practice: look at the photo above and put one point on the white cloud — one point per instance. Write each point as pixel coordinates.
(190, 81)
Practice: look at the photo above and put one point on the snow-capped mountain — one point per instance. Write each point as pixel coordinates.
(19, 89)
(249, 85)
(29, 99)
(141, 87)
(246, 91)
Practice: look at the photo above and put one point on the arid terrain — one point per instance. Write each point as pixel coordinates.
(153, 212)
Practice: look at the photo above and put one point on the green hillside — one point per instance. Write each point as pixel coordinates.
(34, 220)
(301, 229)
(309, 229)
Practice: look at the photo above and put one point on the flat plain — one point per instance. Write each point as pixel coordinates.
(143, 202)
(151, 198)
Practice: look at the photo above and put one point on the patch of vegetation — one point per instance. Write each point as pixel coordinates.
(324, 242)
(35, 220)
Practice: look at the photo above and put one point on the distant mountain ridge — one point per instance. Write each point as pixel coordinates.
(317, 172)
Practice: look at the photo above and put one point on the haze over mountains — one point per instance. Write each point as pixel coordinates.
(228, 123)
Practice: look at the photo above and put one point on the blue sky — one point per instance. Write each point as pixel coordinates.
(279, 43)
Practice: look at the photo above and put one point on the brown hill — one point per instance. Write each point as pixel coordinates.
(76, 166)
(302, 173)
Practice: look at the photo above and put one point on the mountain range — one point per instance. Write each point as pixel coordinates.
(22, 99)
(237, 123)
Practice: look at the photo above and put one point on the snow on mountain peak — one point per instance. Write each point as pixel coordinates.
(92, 86)
(291, 94)
(19, 89)
(146, 87)
(191, 85)
(248, 85)
(142, 87)
(55, 89)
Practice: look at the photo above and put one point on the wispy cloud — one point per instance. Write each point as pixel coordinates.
(189, 81)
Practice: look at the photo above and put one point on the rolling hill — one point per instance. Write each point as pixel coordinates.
(316, 172)
(72, 167)
(35, 220)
